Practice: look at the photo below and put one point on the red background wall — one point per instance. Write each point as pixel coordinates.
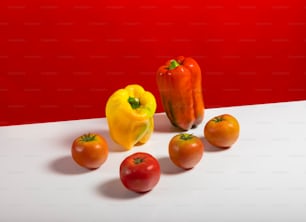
(61, 60)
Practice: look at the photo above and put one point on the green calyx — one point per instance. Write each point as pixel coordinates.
(138, 160)
(88, 137)
(173, 64)
(134, 102)
(218, 119)
(186, 136)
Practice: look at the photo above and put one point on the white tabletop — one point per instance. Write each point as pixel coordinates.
(262, 177)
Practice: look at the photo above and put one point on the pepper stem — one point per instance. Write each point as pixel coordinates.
(134, 102)
(173, 64)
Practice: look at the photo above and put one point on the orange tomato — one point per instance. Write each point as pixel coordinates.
(185, 150)
(222, 131)
(89, 150)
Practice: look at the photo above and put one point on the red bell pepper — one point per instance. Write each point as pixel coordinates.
(179, 83)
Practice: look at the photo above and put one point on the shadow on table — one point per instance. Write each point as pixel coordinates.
(167, 167)
(114, 189)
(65, 165)
(112, 146)
(163, 125)
(210, 148)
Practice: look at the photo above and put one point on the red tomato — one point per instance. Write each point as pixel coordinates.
(185, 150)
(222, 131)
(140, 172)
(89, 150)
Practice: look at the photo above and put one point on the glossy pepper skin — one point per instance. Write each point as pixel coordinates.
(129, 113)
(179, 83)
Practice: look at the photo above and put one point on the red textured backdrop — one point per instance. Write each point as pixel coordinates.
(61, 60)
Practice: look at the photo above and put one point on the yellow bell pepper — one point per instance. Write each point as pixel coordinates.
(129, 113)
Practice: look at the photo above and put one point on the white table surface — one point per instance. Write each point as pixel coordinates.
(262, 177)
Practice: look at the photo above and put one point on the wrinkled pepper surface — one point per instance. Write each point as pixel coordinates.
(129, 114)
(179, 83)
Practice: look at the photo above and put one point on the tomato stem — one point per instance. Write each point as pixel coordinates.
(134, 102)
(186, 136)
(138, 160)
(88, 137)
(218, 119)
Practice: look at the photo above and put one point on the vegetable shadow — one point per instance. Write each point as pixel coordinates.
(114, 189)
(112, 146)
(210, 148)
(66, 165)
(163, 125)
(167, 167)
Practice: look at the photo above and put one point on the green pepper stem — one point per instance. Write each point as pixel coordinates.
(134, 102)
(173, 64)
